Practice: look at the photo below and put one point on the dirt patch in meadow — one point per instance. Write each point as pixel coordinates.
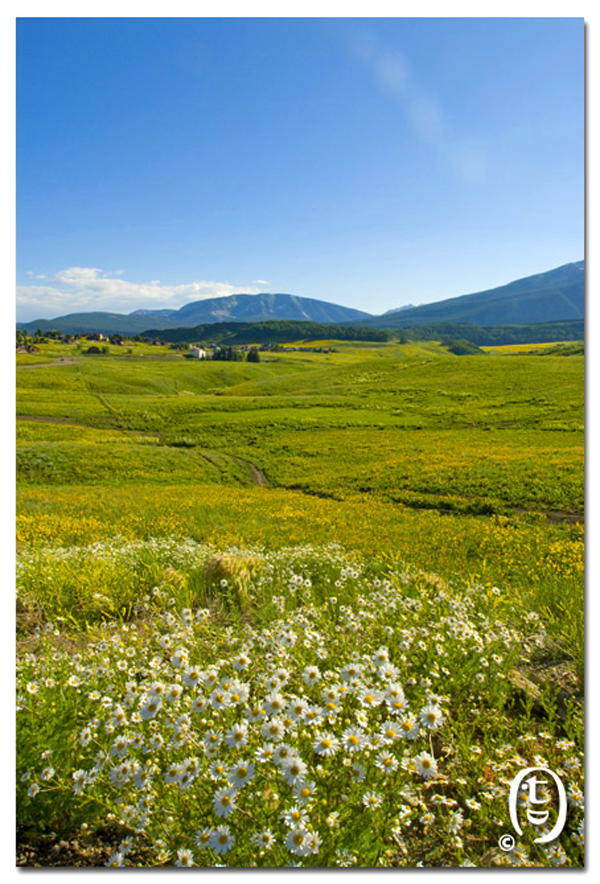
(47, 851)
(68, 360)
(552, 515)
(258, 476)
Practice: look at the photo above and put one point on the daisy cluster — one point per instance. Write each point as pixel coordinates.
(325, 735)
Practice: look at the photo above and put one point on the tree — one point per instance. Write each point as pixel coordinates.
(253, 355)
(227, 354)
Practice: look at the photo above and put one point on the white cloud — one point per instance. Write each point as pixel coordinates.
(261, 282)
(389, 68)
(78, 275)
(82, 289)
(391, 71)
(425, 118)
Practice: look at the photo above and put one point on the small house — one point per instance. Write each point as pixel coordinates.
(197, 353)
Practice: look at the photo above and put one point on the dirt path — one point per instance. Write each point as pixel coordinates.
(257, 475)
(67, 360)
(49, 419)
(552, 515)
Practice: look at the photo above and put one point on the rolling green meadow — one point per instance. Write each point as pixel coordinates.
(316, 610)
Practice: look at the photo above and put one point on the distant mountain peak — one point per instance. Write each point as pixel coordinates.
(228, 308)
(554, 295)
(398, 309)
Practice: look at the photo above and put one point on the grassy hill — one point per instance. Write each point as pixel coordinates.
(236, 333)
(533, 333)
(375, 554)
(270, 332)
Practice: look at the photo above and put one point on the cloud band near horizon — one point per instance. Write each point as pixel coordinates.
(84, 289)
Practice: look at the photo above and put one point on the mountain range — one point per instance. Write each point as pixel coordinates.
(231, 308)
(554, 295)
(545, 297)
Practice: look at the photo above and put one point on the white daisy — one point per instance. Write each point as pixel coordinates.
(353, 739)
(372, 800)
(386, 762)
(409, 726)
(426, 765)
(293, 770)
(241, 773)
(295, 816)
(431, 716)
(273, 729)
(221, 839)
(326, 745)
(203, 837)
(237, 735)
(224, 801)
(298, 841)
(191, 676)
(265, 839)
(185, 859)
(390, 731)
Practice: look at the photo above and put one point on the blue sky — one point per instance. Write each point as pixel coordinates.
(372, 163)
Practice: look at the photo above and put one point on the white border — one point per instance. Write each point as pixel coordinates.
(265, 8)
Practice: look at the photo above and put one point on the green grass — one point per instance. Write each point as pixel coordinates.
(466, 469)
(411, 424)
(432, 450)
